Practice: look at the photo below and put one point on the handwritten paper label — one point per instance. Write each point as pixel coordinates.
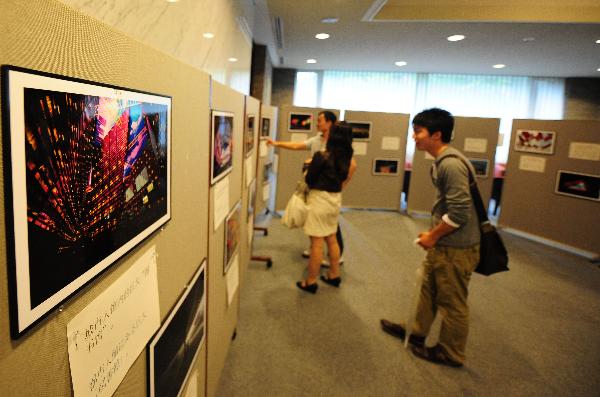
(106, 337)
(532, 163)
(221, 202)
(584, 151)
(263, 148)
(476, 145)
(390, 143)
(500, 140)
(233, 279)
(249, 170)
(360, 148)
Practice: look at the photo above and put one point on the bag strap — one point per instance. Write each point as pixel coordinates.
(475, 195)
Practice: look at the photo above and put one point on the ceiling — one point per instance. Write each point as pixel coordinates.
(372, 35)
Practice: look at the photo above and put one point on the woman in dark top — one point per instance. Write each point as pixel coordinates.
(327, 172)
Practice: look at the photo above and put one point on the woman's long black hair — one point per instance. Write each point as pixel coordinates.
(339, 147)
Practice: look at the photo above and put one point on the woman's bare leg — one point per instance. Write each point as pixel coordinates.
(334, 256)
(316, 257)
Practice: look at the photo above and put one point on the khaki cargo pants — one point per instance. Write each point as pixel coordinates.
(446, 275)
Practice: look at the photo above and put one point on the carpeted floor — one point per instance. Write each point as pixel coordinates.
(535, 331)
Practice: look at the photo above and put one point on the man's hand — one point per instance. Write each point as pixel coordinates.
(427, 240)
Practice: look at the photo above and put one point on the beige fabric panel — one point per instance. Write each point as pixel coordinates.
(528, 201)
(252, 108)
(290, 162)
(366, 190)
(421, 192)
(270, 112)
(46, 35)
(222, 319)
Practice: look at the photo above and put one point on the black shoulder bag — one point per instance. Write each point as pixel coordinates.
(493, 257)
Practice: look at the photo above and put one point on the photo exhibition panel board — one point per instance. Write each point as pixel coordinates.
(554, 196)
(476, 138)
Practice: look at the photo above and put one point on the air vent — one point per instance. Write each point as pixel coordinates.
(278, 32)
(281, 61)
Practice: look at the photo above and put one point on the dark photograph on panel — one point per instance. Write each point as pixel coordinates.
(361, 130)
(251, 199)
(300, 122)
(481, 167)
(87, 180)
(267, 169)
(249, 135)
(232, 235)
(386, 167)
(173, 350)
(578, 185)
(265, 131)
(221, 145)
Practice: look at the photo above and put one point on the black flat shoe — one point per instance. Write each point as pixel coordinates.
(312, 288)
(399, 332)
(435, 354)
(332, 281)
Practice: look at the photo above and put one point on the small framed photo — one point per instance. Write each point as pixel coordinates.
(300, 122)
(173, 350)
(265, 129)
(249, 135)
(361, 130)
(576, 184)
(221, 145)
(481, 167)
(251, 199)
(232, 234)
(267, 169)
(535, 141)
(386, 167)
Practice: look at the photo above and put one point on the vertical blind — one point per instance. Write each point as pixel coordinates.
(504, 97)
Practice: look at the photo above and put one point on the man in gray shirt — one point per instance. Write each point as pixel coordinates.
(452, 245)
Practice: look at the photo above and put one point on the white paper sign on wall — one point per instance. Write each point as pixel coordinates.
(109, 334)
(298, 137)
(532, 163)
(263, 148)
(266, 191)
(390, 143)
(584, 151)
(360, 148)
(221, 202)
(476, 145)
(249, 170)
(233, 279)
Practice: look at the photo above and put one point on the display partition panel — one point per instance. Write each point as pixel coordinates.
(173, 350)
(87, 178)
(384, 151)
(270, 114)
(221, 146)
(557, 200)
(476, 138)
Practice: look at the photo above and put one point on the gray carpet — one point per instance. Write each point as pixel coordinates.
(535, 331)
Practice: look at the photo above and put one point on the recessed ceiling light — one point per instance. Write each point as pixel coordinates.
(322, 36)
(232, 59)
(598, 41)
(526, 39)
(330, 20)
(499, 66)
(400, 63)
(311, 61)
(598, 69)
(172, 1)
(456, 37)
(208, 35)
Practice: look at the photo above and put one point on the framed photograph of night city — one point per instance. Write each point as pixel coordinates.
(249, 135)
(221, 148)
(533, 141)
(361, 130)
(386, 167)
(300, 122)
(576, 184)
(232, 234)
(87, 178)
(265, 129)
(481, 167)
(173, 350)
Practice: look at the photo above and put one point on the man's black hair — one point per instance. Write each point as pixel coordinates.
(328, 115)
(435, 120)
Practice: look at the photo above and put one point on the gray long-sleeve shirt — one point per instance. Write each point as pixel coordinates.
(453, 198)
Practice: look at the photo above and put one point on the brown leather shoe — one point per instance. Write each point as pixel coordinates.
(399, 332)
(435, 354)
